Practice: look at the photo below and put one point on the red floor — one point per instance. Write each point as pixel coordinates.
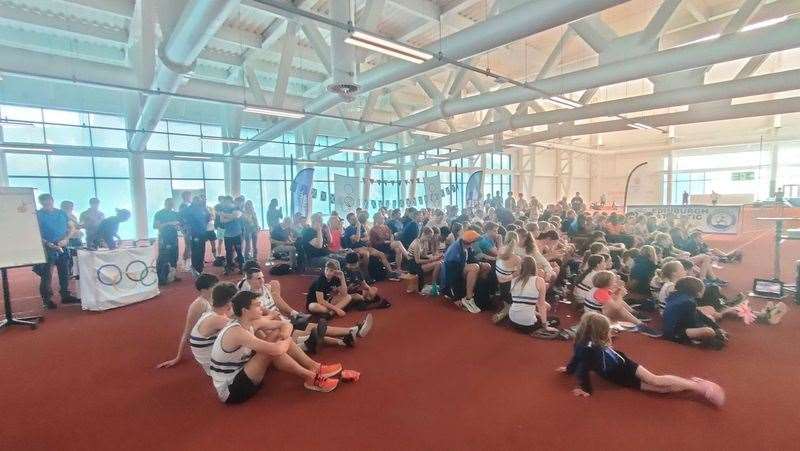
(433, 377)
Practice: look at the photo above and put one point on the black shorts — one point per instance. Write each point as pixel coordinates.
(211, 235)
(505, 291)
(385, 248)
(300, 323)
(625, 374)
(241, 389)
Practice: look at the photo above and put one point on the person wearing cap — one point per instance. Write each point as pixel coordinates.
(461, 271)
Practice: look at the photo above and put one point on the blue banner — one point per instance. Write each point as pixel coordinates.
(301, 192)
(474, 190)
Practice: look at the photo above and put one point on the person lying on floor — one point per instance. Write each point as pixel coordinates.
(362, 294)
(594, 352)
(309, 334)
(327, 296)
(202, 304)
(239, 359)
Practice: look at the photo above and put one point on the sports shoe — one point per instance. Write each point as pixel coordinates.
(49, 305)
(328, 371)
(311, 344)
(350, 339)
(70, 299)
(738, 299)
(470, 304)
(711, 391)
(502, 314)
(322, 384)
(649, 331)
(364, 326)
(643, 317)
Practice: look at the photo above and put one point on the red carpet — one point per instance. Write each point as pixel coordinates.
(433, 377)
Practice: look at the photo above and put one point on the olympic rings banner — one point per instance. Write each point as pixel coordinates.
(111, 279)
(709, 219)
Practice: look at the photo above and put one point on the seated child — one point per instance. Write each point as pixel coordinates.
(506, 268)
(327, 295)
(594, 352)
(425, 257)
(205, 330)
(583, 283)
(202, 304)
(607, 298)
(684, 323)
(362, 294)
(528, 311)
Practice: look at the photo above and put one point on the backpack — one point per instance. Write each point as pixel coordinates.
(280, 269)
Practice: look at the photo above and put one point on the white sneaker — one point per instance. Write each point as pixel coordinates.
(471, 306)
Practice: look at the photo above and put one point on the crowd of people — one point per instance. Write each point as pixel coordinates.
(514, 257)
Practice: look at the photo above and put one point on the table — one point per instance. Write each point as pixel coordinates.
(779, 237)
(119, 277)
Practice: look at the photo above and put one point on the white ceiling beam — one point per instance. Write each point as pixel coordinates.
(659, 21)
(242, 38)
(372, 13)
(699, 11)
(56, 25)
(121, 8)
(739, 20)
(425, 9)
(752, 65)
(289, 45)
(318, 44)
(144, 41)
(596, 33)
(254, 85)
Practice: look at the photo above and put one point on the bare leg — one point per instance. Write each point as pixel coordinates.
(700, 332)
(342, 301)
(289, 365)
(614, 311)
(471, 273)
(664, 383)
(257, 366)
(302, 358)
(317, 308)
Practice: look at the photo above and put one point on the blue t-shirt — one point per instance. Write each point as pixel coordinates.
(196, 218)
(679, 315)
(349, 233)
(484, 244)
(52, 224)
(279, 233)
(233, 228)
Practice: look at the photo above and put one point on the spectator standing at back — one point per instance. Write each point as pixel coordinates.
(714, 197)
(230, 215)
(510, 203)
(685, 197)
(577, 202)
(186, 201)
(274, 214)
(91, 219)
(522, 204)
(196, 218)
(53, 226)
(167, 221)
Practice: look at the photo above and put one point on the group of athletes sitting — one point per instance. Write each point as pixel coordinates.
(620, 270)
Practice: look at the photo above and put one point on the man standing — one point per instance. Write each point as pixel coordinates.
(230, 215)
(576, 202)
(522, 204)
(186, 201)
(53, 225)
(167, 221)
(714, 198)
(196, 218)
(91, 219)
(685, 197)
(511, 203)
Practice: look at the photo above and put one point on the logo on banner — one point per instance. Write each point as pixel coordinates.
(722, 221)
(137, 272)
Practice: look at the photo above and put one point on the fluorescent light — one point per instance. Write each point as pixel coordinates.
(764, 23)
(381, 166)
(703, 39)
(518, 146)
(427, 133)
(353, 151)
(306, 162)
(387, 47)
(27, 149)
(564, 102)
(641, 126)
(385, 51)
(193, 157)
(273, 112)
(14, 123)
(224, 140)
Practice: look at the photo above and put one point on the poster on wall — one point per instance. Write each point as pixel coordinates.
(433, 191)
(346, 189)
(474, 190)
(301, 192)
(709, 219)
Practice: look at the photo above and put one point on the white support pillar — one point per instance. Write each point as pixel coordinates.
(3, 169)
(139, 192)
(773, 168)
(233, 176)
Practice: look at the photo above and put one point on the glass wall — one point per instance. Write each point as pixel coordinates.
(77, 179)
(493, 183)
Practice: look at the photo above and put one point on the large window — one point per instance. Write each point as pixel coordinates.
(186, 137)
(496, 182)
(28, 125)
(77, 179)
(168, 178)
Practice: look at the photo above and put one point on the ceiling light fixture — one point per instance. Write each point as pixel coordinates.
(564, 102)
(26, 149)
(193, 157)
(387, 47)
(223, 140)
(427, 133)
(273, 112)
(361, 151)
(640, 126)
(764, 23)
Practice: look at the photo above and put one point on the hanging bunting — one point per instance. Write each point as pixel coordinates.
(333, 198)
(420, 199)
(313, 193)
(394, 204)
(400, 203)
(374, 204)
(323, 196)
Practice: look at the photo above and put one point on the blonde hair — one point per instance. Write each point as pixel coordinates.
(593, 328)
(670, 269)
(528, 242)
(649, 252)
(603, 279)
(509, 244)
